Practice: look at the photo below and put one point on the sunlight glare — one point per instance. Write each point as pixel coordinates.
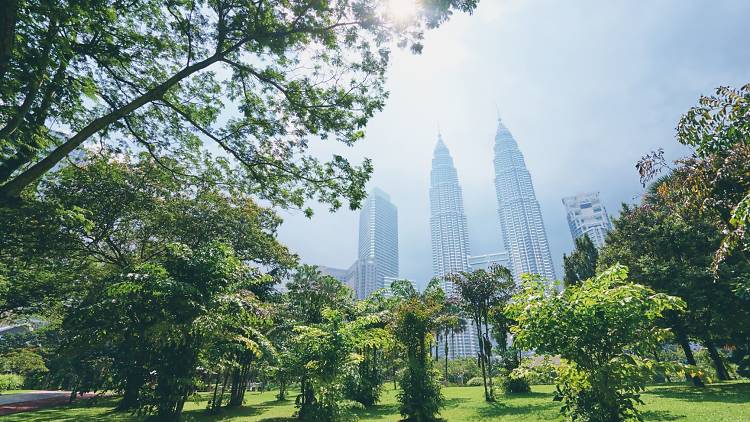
(402, 10)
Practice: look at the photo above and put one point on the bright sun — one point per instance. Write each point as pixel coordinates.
(402, 10)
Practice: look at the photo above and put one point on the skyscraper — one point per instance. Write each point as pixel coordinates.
(487, 261)
(521, 222)
(347, 276)
(378, 243)
(449, 236)
(587, 215)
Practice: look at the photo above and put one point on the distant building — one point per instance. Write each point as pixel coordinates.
(587, 215)
(449, 235)
(484, 262)
(347, 276)
(388, 281)
(378, 243)
(523, 231)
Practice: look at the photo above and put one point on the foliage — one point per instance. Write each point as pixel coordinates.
(671, 252)
(480, 291)
(325, 355)
(514, 383)
(25, 361)
(581, 264)
(10, 382)
(159, 319)
(335, 348)
(309, 293)
(416, 317)
(715, 180)
(156, 75)
(601, 330)
(475, 382)
(107, 214)
(364, 385)
(539, 369)
(461, 370)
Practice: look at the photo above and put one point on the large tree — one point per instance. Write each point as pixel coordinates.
(107, 217)
(672, 253)
(113, 212)
(256, 79)
(714, 180)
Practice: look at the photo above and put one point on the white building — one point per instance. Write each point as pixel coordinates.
(486, 261)
(347, 276)
(587, 215)
(378, 243)
(449, 237)
(521, 221)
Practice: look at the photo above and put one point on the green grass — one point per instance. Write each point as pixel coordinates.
(729, 402)
(6, 392)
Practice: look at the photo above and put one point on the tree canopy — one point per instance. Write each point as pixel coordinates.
(581, 264)
(256, 80)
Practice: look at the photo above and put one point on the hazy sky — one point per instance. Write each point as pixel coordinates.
(586, 88)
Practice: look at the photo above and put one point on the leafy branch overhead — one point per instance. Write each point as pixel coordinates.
(255, 80)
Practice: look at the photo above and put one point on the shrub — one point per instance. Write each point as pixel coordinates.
(540, 370)
(10, 382)
(461, 370)
(514, 384)
(474, 382)
(364, 385)
(602, 329)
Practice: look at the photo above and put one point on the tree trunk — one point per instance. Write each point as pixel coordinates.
(212, 407)
(73, 392)
(482, 360)
(721, 369)
(445, 357)
(237, 378)
(393, 373)
(685, 344)
(282, 390)
(8, 15)
(131, 393)
(488, 355)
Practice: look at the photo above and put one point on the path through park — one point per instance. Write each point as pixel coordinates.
(23, 402)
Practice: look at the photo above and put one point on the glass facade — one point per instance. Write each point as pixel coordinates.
(586, 215)
(524, 235)
(449, 238)
(378, 243)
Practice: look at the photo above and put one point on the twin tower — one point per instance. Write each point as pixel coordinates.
(521, 224)
(522, 228)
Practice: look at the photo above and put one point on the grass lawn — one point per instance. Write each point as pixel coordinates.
(6, 392)
(729, 402)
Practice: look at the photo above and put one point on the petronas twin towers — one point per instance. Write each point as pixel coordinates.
(521, 223)
(522, 228)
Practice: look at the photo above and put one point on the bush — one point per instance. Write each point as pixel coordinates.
(511, 385)
(474, 382)
(540, 370)
(460, 370)
(601, 329)
(10, 382)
